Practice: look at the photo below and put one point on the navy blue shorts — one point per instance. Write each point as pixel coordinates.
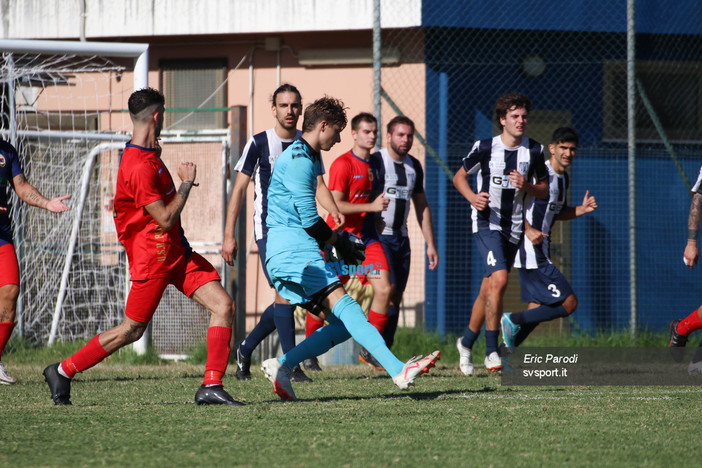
(497, 252)
(262, 255)
(545, 285)
(397, 251)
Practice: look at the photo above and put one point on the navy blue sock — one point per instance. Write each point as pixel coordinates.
(469, 338)
(284, 319)
(491, 341)
(263, 328)
(524, 332)
(391, 326)
(540, 314)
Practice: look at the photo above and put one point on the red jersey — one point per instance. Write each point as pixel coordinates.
(351, 175)
(142, 179)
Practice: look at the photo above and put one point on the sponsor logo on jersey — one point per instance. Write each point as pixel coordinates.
(365, 194)
(501, 182)
(2, 160)
(497, 165)
(398, 192)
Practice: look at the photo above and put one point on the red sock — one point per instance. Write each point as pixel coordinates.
(5, 332)
(85, 358)
(312, 324)
(378, 320)
(218, 350)
(689, 324)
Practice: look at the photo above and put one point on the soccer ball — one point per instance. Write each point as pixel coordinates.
(330, 253)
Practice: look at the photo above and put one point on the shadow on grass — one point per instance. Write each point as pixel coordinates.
(434, 395)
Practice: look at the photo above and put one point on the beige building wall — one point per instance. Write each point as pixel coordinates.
(253, 75)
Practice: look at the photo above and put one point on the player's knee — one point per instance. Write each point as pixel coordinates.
(382, 290)
(9, 293)
(224, 307)
(129, 333)
(498, 282)
(570, 304)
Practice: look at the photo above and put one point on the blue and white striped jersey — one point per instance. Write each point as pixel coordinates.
(257, 160)
(493, 162)
(541, 213)
(399, 180)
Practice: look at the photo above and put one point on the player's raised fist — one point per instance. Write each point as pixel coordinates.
(187, 171)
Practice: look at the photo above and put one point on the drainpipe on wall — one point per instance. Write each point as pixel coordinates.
(82, 20)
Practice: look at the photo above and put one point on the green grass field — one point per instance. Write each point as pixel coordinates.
(130, 414)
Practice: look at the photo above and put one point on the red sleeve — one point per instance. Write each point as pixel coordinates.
(145, 182)
(339, 176)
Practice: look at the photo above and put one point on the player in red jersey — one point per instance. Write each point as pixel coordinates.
(680, 329)
(147, 216)
(350, 182)
(11, 174)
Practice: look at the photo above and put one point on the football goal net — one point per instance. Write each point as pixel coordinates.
(62, 106)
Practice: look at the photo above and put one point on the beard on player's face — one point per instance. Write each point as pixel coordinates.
(287, 121)
(401, 151)
(401, 148)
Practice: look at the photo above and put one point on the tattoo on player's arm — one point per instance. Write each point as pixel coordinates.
(27, 192)
(184, 189)
(33, 197)
(134, 333)
(693, 222)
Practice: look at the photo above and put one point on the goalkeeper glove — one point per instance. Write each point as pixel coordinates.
(353, 252)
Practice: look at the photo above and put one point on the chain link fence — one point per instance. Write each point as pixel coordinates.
(572, 62)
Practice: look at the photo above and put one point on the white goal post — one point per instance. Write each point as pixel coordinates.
(11, 48)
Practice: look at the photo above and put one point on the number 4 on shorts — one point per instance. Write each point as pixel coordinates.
(491, 259)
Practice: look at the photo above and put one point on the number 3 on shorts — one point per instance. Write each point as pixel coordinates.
(554, 290)
(491, 259)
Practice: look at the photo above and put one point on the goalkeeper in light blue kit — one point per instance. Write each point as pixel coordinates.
(295, 263)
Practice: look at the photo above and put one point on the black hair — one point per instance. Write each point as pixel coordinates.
(285, 88)
(564, 135)
(363, 117)
(143, 99)
(397, 120)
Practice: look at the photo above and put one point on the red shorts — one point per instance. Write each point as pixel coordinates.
(188, 275)
(375, 261)
(9, 273)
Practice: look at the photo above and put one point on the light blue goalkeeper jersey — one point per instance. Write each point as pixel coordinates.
(291, 202)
